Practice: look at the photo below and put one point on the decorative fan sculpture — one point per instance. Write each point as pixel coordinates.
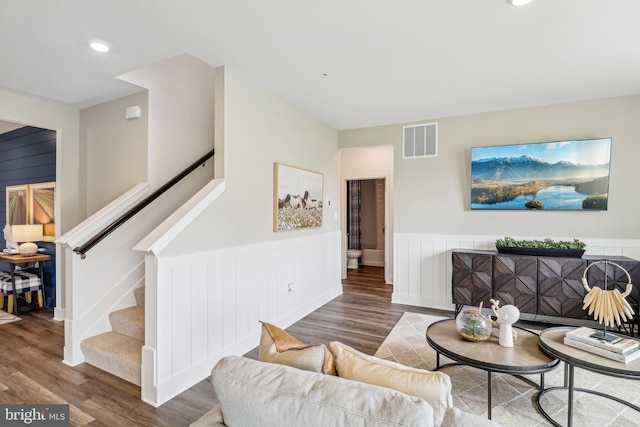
(607, 306)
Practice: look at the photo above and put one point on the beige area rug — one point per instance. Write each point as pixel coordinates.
(7, 318)
(513, 399)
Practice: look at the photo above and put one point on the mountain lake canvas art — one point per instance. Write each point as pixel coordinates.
(565, 175)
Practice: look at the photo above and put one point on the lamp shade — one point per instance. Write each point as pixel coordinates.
(27, 234)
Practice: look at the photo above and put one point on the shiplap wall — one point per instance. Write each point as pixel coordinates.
(208, 305)
(422, 265)
(27, 156)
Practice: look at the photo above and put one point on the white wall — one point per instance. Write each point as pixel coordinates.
(181, 114)
(260, 129)
(431, 195)
(228, 269)
(209, 304)
(111, 143)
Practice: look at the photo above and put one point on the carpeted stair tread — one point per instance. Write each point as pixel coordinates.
(139, 294)
(120, 352)
(115, 353)
(128, 321)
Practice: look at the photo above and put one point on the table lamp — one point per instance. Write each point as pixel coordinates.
(26, 235)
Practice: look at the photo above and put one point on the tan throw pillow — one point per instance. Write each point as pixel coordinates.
(434, 387)
(277, 346)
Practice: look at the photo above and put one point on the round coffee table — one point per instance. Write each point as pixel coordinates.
(524, 358)
(551, 341)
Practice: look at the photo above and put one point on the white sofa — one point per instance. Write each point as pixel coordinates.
(254, 393)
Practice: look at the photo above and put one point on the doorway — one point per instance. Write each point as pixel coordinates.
(364, 164)
(365, 231)
(28, 168)
(366, 221)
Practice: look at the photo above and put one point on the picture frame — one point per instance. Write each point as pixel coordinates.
(17, 204)
(32, 204)
(559, 175)
(42, 208)
(297, 198)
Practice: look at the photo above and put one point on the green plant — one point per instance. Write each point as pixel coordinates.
(546, 243)
(474, 328)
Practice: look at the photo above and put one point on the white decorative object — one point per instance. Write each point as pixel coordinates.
(11, 244)
(506, 316)
(27, 234)
(608, 305)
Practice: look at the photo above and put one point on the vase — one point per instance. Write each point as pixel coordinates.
(472, 325)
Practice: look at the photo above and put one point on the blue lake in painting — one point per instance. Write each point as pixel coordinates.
(555, 197)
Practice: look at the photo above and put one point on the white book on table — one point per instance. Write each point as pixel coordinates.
(624, 358)
(620, 345)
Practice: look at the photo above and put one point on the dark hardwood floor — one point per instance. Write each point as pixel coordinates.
(31, 368)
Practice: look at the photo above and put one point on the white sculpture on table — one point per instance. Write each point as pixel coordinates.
(506, 316)
(7, 237)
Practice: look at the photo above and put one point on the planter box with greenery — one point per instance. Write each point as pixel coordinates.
(546, 247)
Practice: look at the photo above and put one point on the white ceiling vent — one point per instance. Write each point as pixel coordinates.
(420, 141)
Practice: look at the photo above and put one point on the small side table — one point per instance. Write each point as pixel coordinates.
(14, 260)
(551, 341)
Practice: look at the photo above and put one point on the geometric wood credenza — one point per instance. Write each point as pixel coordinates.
(550, 286)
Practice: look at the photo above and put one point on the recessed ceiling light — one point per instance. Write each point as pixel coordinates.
(99, 46)
(518, 2)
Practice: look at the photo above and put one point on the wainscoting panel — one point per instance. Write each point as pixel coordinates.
(422, 263)
(210, 304)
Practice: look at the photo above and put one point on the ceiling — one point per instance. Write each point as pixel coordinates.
(350, 63)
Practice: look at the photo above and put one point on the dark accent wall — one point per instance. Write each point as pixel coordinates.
(27, 156)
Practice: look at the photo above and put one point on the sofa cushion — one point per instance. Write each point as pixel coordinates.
(434, 387)
(252, 393)
(277, 346)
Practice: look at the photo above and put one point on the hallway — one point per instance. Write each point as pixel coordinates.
(368, 281)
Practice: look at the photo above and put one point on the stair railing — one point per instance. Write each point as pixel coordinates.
(83, 249)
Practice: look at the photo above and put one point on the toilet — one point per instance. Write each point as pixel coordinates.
(352, 257)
